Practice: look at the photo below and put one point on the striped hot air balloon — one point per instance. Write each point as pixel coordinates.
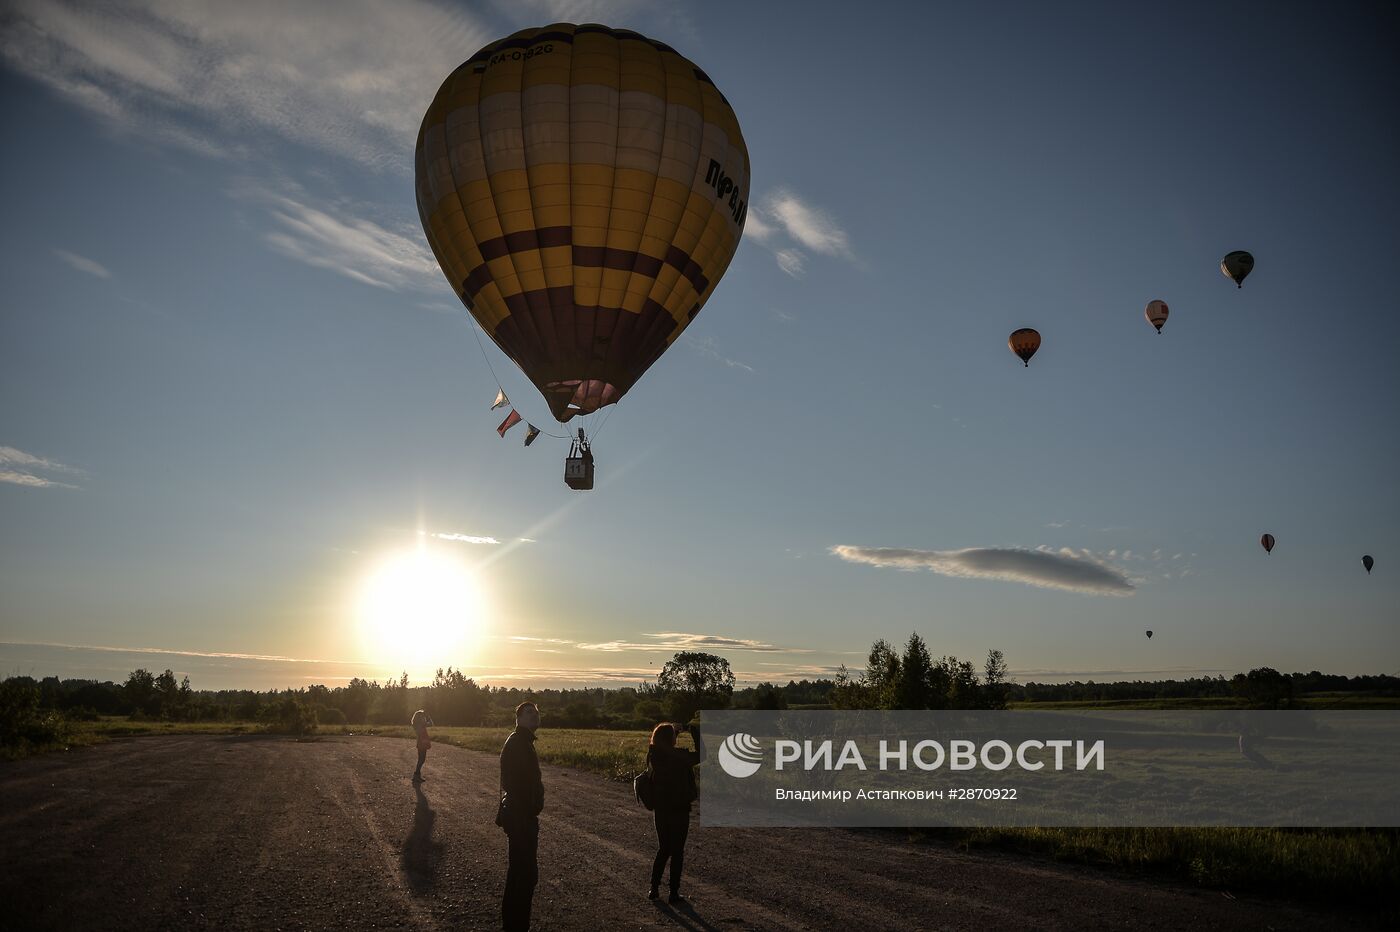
(583, 189)
(1024, 343)
(1156, 314)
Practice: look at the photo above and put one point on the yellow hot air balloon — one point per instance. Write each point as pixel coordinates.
(1236, 265)
(1024, 343)
(1156, 313)
(583, 189)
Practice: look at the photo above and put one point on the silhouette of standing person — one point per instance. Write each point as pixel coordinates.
(522, 800)
(421, 721)
(673, 780)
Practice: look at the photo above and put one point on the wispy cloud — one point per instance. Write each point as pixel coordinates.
(758, 228)
(466, 538)
(349, 77)
(331, 237)
(809, 225)
(222, 655)
(83, 263)
(20, 468)
(1071, 570)
(1101, 675)
(674, 640)
(783, 215)
(709, 347)
(791, 261)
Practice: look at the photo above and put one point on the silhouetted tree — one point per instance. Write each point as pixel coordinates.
(1264, 687)
(768, 696)
(994, 685)
(692, 680)
(913, 687)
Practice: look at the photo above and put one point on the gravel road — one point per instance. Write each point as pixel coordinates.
(264, 833)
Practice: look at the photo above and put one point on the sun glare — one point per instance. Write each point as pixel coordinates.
(420, 610)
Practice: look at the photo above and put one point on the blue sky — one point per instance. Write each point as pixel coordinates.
(233, 382)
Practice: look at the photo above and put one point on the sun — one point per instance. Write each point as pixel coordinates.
(420, 610)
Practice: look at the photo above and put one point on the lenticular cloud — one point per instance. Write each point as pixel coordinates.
(1071, 570)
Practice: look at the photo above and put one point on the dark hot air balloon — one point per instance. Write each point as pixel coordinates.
(1024, 343)
(1236, 266)
(1156, 314)
(1367, 562)
(1149, 635)
(583, 189)
(1267, 541)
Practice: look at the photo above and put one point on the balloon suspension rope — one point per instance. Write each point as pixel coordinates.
(492, 369)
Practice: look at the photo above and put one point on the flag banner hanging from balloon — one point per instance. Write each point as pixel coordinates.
(511, 420)
(501, 399)
(531, 432)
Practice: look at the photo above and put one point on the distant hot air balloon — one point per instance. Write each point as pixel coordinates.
(1268, 543)
(583, 189)
(1156, 313)
(1149, 635)
(1367, 562)
(1024, 343)
(1236, 266)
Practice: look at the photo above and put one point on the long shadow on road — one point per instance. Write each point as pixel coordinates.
(686, 917)
(420, 853)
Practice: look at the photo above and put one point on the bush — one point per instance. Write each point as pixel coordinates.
(288, 716)
(23, 725)
(330, 717)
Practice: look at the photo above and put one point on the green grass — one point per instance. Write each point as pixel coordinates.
(1306, 701)
(1354, 866)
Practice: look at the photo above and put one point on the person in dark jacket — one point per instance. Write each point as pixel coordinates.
(420, 722)
(673, 780)
(522, 800)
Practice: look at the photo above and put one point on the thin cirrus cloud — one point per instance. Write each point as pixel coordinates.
(223, 78)
(20, 468)
(709, 348)
(83, 263)
(675, 640)
(466, 538)
(784, 214)
(328, 238)
(1066, 569)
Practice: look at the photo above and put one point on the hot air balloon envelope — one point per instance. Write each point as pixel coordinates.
(1236, 266)
(1156, 314)
(583, 189)
(1024, 343)
(1267, 541)
(1367, 562)
(1149, 635)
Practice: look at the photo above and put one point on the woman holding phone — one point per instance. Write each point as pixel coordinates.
(673, 777)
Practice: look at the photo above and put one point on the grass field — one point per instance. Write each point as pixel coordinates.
(1355, 864)
(1316, 701)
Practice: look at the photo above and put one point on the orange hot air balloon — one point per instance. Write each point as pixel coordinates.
(1156, 313)
(1367, 562)
(1024, 343)
(583, 189)
(1267, 541)
(1236, 266)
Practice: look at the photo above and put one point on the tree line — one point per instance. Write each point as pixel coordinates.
(37, 712)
